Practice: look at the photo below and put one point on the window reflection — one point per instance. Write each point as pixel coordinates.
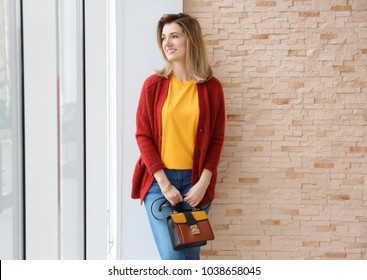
(71, 100)
(11, 187)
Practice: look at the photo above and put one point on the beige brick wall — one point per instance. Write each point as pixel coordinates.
(292, 178)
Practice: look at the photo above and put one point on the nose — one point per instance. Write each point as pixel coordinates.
(168, 42)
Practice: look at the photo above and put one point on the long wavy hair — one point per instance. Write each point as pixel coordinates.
(196, 56)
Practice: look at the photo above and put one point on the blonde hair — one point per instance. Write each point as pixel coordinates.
(196, 56)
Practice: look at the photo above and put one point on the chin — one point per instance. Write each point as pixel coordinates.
(170, 58)
(174, 59)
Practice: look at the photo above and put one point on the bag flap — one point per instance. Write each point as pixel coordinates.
(179, 218)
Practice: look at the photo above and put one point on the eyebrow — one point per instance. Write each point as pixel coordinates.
(173, 33)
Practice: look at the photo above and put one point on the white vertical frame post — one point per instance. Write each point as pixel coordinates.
(112, 131)
(41, 129)
(96, 77)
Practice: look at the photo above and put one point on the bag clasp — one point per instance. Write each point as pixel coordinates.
(195, 229)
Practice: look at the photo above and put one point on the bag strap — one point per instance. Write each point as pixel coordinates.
(167, 203)
(190, 218)
(164, 203)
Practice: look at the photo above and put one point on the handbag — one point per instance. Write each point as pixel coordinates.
(189, 229)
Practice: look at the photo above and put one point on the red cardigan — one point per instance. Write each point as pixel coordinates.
(209, 139)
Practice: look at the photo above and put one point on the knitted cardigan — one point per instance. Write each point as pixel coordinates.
(209, 136)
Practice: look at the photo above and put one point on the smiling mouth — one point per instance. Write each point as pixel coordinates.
(170, 51)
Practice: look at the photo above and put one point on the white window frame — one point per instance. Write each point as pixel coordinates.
(117, 60)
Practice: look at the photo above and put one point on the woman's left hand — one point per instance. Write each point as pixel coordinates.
(195, 194)
(197, 191)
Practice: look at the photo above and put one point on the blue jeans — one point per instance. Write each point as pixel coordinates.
(181, 179)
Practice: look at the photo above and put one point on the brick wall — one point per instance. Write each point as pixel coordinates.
(292, 177)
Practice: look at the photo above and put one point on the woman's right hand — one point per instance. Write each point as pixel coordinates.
(173, 195)
(169, 191)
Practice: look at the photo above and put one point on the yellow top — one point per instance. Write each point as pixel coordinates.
(180, 115)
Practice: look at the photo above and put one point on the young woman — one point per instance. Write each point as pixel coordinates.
(179, 130)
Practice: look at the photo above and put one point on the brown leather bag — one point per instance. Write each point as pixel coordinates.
(189, 229)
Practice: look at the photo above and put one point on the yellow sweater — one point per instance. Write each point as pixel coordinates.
(180, 114)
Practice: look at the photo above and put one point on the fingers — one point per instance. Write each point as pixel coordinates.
(192, 198)
(174, 196)
(191, 201)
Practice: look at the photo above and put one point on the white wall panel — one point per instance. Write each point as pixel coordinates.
(138, 57)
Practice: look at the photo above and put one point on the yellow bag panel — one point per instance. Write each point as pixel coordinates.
(179, 218)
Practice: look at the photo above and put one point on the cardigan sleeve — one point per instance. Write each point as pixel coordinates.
(217, 136)
(146, 137)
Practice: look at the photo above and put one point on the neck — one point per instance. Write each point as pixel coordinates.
(180, 72)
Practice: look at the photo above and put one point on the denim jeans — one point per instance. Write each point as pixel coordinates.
(181, 179)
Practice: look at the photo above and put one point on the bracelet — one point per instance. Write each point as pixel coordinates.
(166, 189)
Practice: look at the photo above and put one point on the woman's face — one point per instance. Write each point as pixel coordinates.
(174, 42)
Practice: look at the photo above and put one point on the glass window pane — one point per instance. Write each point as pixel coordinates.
(71, 99)
(11, 182)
